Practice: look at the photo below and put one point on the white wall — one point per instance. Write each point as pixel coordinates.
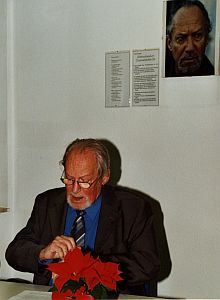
(57, 50)
(3, 105)
(5, 220)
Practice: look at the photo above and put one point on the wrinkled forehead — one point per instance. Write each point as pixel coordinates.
(188, 17)
(86, 158)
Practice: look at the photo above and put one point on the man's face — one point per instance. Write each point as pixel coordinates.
(82, 167)
(188, 39)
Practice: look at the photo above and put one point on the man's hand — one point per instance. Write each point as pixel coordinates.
(58, 248)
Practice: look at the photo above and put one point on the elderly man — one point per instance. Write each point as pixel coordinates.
(188, 31)
(118, 224)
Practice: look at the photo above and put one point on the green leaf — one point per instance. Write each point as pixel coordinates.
(72, 285)
(53, 289)
(99, 292)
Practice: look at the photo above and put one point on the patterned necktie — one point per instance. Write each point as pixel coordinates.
(78, 229)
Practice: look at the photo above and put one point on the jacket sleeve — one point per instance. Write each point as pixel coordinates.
(22, 253)
(134, 246)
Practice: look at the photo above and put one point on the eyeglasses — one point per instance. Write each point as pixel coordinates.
(82, 184)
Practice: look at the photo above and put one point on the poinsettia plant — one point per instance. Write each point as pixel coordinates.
(82, 276)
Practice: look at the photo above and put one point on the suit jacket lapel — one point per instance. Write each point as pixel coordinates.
(57, 214)
(108, 216)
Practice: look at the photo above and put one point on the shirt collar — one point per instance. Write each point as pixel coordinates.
(91, 211)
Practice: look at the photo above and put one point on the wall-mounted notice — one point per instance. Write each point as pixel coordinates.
(117, 79)
(145, 77)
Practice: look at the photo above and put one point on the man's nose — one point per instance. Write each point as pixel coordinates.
(189, 44)
(76, 187)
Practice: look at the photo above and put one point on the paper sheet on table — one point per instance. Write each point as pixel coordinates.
(33, 295)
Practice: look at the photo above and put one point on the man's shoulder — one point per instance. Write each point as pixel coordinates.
(127, 197)
(124, 191)
(54, 193)
(207, 67)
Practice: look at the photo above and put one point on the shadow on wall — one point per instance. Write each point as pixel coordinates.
(115, 159)
(159, 229)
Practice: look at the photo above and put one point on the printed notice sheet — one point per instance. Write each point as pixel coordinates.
(117, 79)
(145, 77)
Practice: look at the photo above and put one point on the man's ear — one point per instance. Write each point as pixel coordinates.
(169, 43)
(106, 177)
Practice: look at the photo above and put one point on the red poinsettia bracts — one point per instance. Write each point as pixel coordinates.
(108, 274)
(81, 275)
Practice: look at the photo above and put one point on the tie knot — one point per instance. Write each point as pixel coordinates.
(80, 213)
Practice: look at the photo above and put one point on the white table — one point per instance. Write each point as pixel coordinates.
(13, 289)
(9, 289)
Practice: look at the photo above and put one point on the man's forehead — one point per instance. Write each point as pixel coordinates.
(187, 17)
(84, 163)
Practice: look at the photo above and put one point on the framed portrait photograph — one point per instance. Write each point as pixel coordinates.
(189, 30)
